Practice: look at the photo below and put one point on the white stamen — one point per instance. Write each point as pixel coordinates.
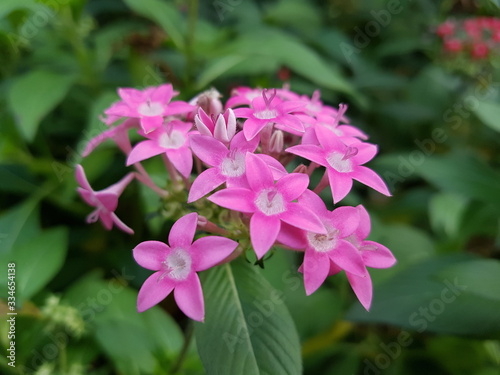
(233, 165)
(150, 109)
(323, 242)
(337, 162)
(175, 140)
(270, 202)
(177, 265)
(266, 114)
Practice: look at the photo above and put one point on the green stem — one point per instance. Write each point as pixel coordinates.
(184, 351)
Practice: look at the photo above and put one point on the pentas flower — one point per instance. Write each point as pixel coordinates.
(373, 254)
(321, 248)
(208, 101)
(267, 109)
(269, 203)
(171, 139)
(150, 105)
(343, 163)
(176, 265)
(222, 127)
(242, 96)
(105, 201)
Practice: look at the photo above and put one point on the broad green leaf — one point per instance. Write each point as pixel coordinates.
(7, 6)
(37, 262)
(164, 14)
(33, 95)
(298, 14)
(481, 276)
(446, 211)
(247, 327)
(18, 225)
(489, 114)
(463, 175)
(434, 296)
(270, 44)
(17, 179)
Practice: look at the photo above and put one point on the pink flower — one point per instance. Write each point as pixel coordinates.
(242, 96)
(170, 139)
(320, 249)
(343, 163)
(208, 101)
(480, 50)
(445, 29)
(105, 200)
(222, 127)
(268, 109)
(150, 105)
(228, 165)
(453, 45)
(269, 203)
(373, 254)
(176, 265)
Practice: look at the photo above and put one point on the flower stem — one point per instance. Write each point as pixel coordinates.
(176, 367)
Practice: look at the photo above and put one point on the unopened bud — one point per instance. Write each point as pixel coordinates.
(301, 168)
(276, 143)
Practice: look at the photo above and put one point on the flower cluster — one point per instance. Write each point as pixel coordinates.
(475, 37)
(231, 161)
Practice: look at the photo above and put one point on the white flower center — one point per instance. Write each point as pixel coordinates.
(150, 109)
(323, 242)
(338, 162)
(270, 202)
(233, 165)
(176, 139)
(177, 265)
(266, 114)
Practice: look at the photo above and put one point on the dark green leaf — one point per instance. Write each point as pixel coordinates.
(247, 327)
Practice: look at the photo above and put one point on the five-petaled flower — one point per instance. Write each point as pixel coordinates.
(105, 201)
(176, 265)
(269, 203)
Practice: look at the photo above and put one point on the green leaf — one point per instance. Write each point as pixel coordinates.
(33, 95)
(481, 276)
(489, 114)
(446, 212)
(37, 262)
(437, 295)
(247, 327)
(8, 6)
(164, 14)
(18, 225)
(270, 45)
(463, 174)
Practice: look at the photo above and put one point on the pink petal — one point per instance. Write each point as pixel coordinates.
(106, 219)
(130, 95)
(292, 237)
(315, 268)
(366, 152)
(209, 251)
(379, 257)
(301, 217)
(162, 93)
(340, 184)
(144, 150)
(362, 287)
(345, 219)
(328, 139)
(81, 178)
(182, 159)
(240, 142)
(313, 201)
(153, 291)
(117, 188)
(292, 122)
(150, 254)
(237, 199)
(291, 106)
(183, 230)
(203, 184)
(259, 175)
(292, 185)
(277, 169)
(121, 225)
(108, 200)
(365, 226)
(150, 123)
(310, 152)
(210, 150)
(178, 108)
(243, 112)
(263, 232)
(371, 179)
(189, 298)
(252, 127)
(348, 257)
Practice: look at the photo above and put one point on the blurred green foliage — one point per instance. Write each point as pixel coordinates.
(436, 311)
